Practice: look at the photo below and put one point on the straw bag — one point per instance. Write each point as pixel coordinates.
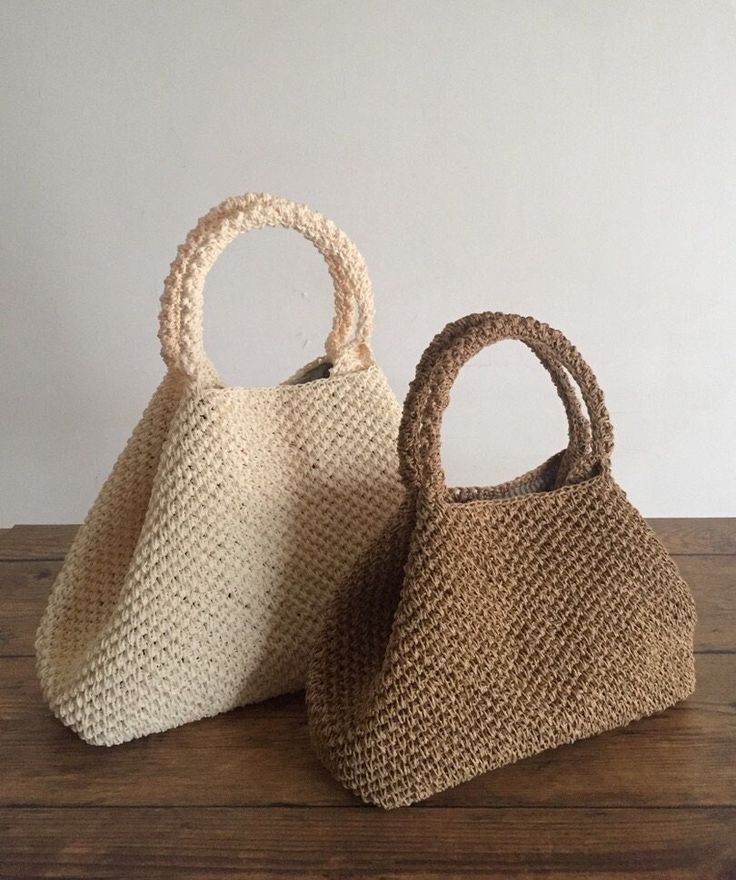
(198, 580)
(488, 624)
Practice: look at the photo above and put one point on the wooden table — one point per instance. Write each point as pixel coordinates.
(242, 795)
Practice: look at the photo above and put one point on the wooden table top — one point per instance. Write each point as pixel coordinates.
(242, 795)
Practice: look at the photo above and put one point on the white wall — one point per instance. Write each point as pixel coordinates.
(571, 160)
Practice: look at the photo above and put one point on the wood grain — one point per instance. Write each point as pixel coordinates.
(669, 844)
(680, 536)
(24, 588)
(36, 541)
(696, 535)
(260, 755)
(242, 795)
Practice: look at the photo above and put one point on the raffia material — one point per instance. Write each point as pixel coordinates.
(198, 580)
(485, 625)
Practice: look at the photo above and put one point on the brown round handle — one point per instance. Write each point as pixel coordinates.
(420, 461)
(579, 439)
(180, 328)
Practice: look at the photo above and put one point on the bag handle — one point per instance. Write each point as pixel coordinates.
(180, 319)
(591, 438)
(576, 459)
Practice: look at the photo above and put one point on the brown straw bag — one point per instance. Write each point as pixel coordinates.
(488, 624)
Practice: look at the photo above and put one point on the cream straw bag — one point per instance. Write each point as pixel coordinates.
(198, 580)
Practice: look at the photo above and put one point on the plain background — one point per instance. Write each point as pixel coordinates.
(569, 160)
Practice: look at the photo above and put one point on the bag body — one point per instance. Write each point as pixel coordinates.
(488, 624)
(198, 580)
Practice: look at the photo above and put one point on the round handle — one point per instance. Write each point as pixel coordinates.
(180, 320)
(590, 439)
(576, 459)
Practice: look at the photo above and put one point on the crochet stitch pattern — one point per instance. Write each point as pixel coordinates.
(198, 580)
(488, 624)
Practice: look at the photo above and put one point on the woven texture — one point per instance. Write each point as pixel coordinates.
(487, 624)
(198, 580)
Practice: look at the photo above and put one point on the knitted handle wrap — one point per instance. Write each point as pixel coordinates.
(180, 328)
(590, 439)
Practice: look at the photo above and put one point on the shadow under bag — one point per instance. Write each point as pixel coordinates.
(198, 580)
(487, 624)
